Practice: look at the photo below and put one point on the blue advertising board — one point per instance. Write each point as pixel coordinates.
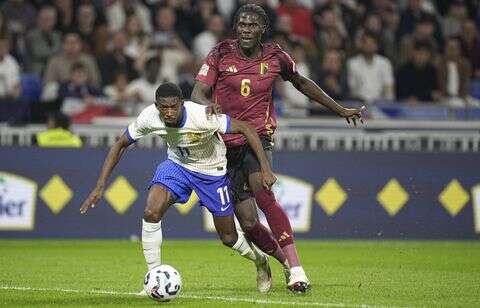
(373, 195)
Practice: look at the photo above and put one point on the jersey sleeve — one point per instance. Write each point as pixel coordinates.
(218, 123)
(287, 65)
(208, 72)
(138, 128)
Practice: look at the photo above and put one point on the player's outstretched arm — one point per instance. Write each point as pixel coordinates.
(200, 93)
(240, 127)
(315, 93)
(109, 164)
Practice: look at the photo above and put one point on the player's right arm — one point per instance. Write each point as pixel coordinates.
(241, 127)
(204, 81)
(113, 157)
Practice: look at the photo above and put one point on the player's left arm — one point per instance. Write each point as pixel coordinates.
(315, 93)
(240, 127)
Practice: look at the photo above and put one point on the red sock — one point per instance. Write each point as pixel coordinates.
(261, 237)
(279, 224)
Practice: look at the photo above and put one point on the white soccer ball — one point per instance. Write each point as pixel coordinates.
(162, 283)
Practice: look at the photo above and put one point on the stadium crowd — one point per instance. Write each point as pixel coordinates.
(107, 57)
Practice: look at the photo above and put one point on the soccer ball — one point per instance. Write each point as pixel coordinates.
(162, 283)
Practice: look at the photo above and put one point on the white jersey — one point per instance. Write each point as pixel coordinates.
(195, 145)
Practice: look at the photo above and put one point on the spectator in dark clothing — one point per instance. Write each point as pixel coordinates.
(77, 86)
(417, 78)
(470, 42)
(116, 61)
(332, 75)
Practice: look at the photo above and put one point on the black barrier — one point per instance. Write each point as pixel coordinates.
(326, 195)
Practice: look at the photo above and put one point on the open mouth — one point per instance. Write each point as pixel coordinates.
(246, 39)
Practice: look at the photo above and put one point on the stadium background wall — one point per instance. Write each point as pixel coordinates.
(326, 194)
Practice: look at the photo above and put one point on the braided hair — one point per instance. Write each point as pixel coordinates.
(252, 8)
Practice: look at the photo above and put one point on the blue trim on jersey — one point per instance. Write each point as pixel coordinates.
(184, 116)
(229, 125)
(129, 136)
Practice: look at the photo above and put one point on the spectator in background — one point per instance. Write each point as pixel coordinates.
(9, 73)
(470, 42)
(120, 10)
(206, 40)
(453, 20)
(424, 33)
(454, 73)
(142, 90)
(391, 20)
(203, 12)
(370, 75)
(43, 41)
(58, 134)
(91, 28)
(77, 92)
(301, 17)
(137, 37)
(417, 78)
(331, 76)
(167, 44)
(66, 15)
(329, 36)
(21, 17)
(59, 66)
(117, 93)
(116, 60)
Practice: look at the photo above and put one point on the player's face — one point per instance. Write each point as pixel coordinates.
(170, 110)
(250, 28)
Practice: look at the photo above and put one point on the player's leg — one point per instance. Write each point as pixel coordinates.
(167, 186)
(214, 194)
(278, 221)
(158, 201)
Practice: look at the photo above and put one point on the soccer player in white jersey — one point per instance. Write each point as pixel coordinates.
(196, 162)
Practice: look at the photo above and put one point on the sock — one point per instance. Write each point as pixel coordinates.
(279, 224)
(242, 247)
(261, 237)
(151, 242)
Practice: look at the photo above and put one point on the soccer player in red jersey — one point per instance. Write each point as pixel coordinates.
(238, 76)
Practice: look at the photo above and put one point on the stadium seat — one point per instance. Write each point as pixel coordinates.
(31, 88)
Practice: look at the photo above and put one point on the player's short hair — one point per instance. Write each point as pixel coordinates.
(252, 8)
(168, 89)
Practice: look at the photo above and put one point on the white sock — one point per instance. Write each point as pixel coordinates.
(151, 242)
(242, 247)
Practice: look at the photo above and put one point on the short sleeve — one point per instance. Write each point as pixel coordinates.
(208, 72)
(288, 68)
(218, 123)
(138, 128)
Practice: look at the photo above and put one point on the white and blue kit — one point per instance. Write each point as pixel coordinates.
(196, 155)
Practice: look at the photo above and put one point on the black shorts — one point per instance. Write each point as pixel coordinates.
(241, 162)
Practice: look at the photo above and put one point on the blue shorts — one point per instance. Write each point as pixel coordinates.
(213, 191)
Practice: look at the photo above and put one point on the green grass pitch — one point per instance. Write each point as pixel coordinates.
(343, 274)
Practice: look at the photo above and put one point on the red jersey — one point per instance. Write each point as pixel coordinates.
(243, 86)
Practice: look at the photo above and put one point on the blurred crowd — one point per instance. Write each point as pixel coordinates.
(106, 57)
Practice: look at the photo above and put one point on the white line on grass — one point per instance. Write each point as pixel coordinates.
(188, 296)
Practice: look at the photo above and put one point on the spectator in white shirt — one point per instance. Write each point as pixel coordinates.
(370, 75)
(9, 72)
(142, 90)
(206, 40)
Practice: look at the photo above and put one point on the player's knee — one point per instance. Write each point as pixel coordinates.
(229, 239)
(151, 216)
(248, 222)
(265, 199)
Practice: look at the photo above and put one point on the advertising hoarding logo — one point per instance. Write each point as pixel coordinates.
(295, 197)
(17, 202)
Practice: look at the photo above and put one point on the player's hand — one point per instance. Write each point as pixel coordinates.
(353, 114)
(213, 109)
(92, 199)
(268, 179)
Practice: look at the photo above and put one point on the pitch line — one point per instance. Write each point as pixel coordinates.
(214, 298)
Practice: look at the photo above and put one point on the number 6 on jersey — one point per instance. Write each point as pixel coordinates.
(245, 87)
